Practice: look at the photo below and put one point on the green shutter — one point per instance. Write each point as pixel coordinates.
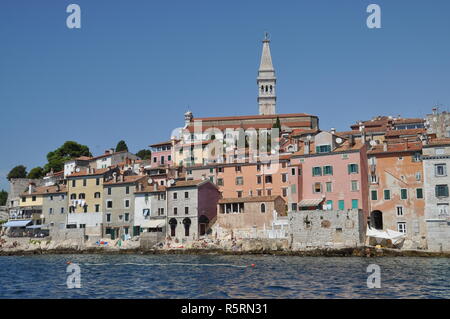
(404, 193)
(374, 195)
(354, 203)
(341, 205)
(419, 193)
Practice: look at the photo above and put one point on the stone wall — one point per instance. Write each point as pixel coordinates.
(326, 229)
(75, 234)
(150, 239)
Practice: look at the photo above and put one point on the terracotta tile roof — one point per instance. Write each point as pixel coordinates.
(344, 147)
(93, 172)
(162, 143)
(396, 148)
(438, 141)
(43, 190)
(108, 154)
(245, 126)
(126, 179)
(408, 121)
(249, 199)
(414, 131)
(151, 189)
(84, 158)
(189, 183)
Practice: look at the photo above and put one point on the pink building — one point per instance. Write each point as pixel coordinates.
(161, 154)
(329, 173)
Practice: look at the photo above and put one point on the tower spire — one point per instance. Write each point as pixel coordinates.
(266, 80)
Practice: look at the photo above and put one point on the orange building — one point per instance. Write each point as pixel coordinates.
(396, 193)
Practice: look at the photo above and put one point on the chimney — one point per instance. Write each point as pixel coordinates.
(351, 140)
(362, 129)
(385, 146)
(307, 145)
(333, 131)
(31, 188)
(155, 187)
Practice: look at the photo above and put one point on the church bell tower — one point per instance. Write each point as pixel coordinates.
(266, 81)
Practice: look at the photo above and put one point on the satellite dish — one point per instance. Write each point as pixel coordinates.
(77, 169)
(373, 143)
(171, 181)
(339, 140)
(150, 180)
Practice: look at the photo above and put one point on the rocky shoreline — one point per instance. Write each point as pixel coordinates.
(363, 251)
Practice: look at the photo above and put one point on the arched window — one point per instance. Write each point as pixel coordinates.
(187, 226)
(97, 195)
(73, 196)
(81, 196)
(263, 208)
(267, 88)
(173, 226)
(271, 88)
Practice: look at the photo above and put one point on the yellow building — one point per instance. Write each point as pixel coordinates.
(85, 195)
(30, 206)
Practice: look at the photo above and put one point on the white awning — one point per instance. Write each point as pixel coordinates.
(310, 202)
(154, 223)
(17, 223)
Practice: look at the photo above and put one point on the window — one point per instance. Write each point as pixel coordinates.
(127, 217)
(186, 194)
(323, 148)
(175, 195)
(160, 211)
(127, 203)
(419, 193)
(84, 182)
(50, 211)
(109, 204)
(109, 190)
(328, 170)
(353, 168)
(73, 196)
(239, 193)
(175, 211)
(404, 193)
(329, 205)
(441, 190)
(440, 170)
(237, 168)
(374, 194)
(374, 179)
(258, 179)
(97, 195)
(293, 171)
(85, 209)
(268, 179)
(355, 186)
(239, 180)
(401, 227)
(341, 204)
(417, 157)
(284, 191)
(259, 191)
(294, 207)
(418, 176)
(108, 218)
(97, 208)
(82, 196)
(33, 198)
(127, 190)
(74, 183)
(263, 208)
(186, 210)
(97, 181)
(329, 187)
(399, 210)
(354, 203)
(258, 167)
(317, 188)
(269, 192)
(387, 194)
(317, 171)
(284, 178)
(62, 210)
(220, 181)
(51, 197)
(443, 210)
(24, 200)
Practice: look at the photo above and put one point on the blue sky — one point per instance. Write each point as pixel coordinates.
(135, 67)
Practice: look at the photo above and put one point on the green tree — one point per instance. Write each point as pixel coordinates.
(3, 197)
(19, 171)
(36, 173)
(121, 146)
(69, 150)
(144, 154)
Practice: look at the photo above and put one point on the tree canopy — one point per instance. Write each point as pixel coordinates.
(69, 150)
(36, 173)
(121, 146)
(19, 171)
(3, 197)
(144, 154)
